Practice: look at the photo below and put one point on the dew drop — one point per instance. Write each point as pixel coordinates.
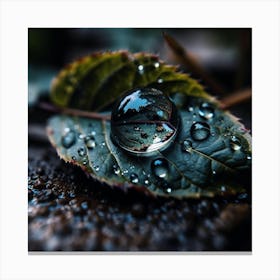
(141, 69)
(187, 146)
(116, 169)
(73, 157)
(156, 64)
(134, 178)
(235, 143)
(200, 131)
(96, 168)
(143, 121)
(146, 181)
(81, 136)
(160, 168)
(160, 80)
(69, 139)
(223, 188)
(81, 152)
(90, 142)
(249, 157)
(85, 162)
(206, 111)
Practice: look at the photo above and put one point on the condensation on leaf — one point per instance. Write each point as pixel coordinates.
(210, 153)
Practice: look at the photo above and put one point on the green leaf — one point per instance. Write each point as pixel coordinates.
(216, 161)
(96, 81)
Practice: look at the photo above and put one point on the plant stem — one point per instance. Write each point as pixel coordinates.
(74, 112)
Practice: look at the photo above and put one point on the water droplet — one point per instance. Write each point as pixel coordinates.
(66, 130)
(249, 157)
(235, 143)
(146, 181)
(223, 188)
(69, 139)
(156, 64)
(96, 168)
(214, 172)
(144, 121)
(190, 109)
(81, 152)
(134, 178)
(160, 81)
(125, 171)
(141, 68)
(85, 162)
(206, 111)
(81, 136)
(168, 190)
(90, 142)
(187, 146)
(160, 168)
(200, 131)
(116, 169)
(73, 157)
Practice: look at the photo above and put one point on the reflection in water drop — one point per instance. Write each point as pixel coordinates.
(144, 121)
(200, 131)
(235, 143)
(160, 168)
(206, 111)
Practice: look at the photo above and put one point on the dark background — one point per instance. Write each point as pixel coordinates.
(70, 212)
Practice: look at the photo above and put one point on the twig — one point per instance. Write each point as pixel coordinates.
(74, 112)
(187, 60)
(236, 98)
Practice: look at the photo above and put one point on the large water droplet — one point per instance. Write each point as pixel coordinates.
(68, 139)
(90, 142)
(143, 121)
(134, 178)
(187, 146)
(206, 111)
(160, 168)
(200, 131)
(235, 143)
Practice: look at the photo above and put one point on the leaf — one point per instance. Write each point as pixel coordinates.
(93, 82)
(218, 163)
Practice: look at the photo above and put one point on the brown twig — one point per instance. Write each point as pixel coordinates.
(74, 112)
(236, 98)
(184, 58)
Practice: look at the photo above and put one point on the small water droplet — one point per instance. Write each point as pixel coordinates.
(147, 182)
(134, 178)
(81, 136)
(160, 168)
(160, 80)
(81, 152)
(85, 162)
(190, 109)
(249, 157)
(90, 142)
(214, 172)
(187, 146)
(206, 111)
(141, 68)
(235, 143)
(116, 169)
(223, 188)
(125, 171)
(96, 168)
(66, 130)
(73, 157)
(156, 64)
(200, 131)
(69, 139)
(137, 128)
(168, 190)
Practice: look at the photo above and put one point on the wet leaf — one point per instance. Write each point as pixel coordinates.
(93, 82)
(167, 137)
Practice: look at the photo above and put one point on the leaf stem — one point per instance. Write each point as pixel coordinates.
(74, 112)
(185, 58)
(236, 98)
